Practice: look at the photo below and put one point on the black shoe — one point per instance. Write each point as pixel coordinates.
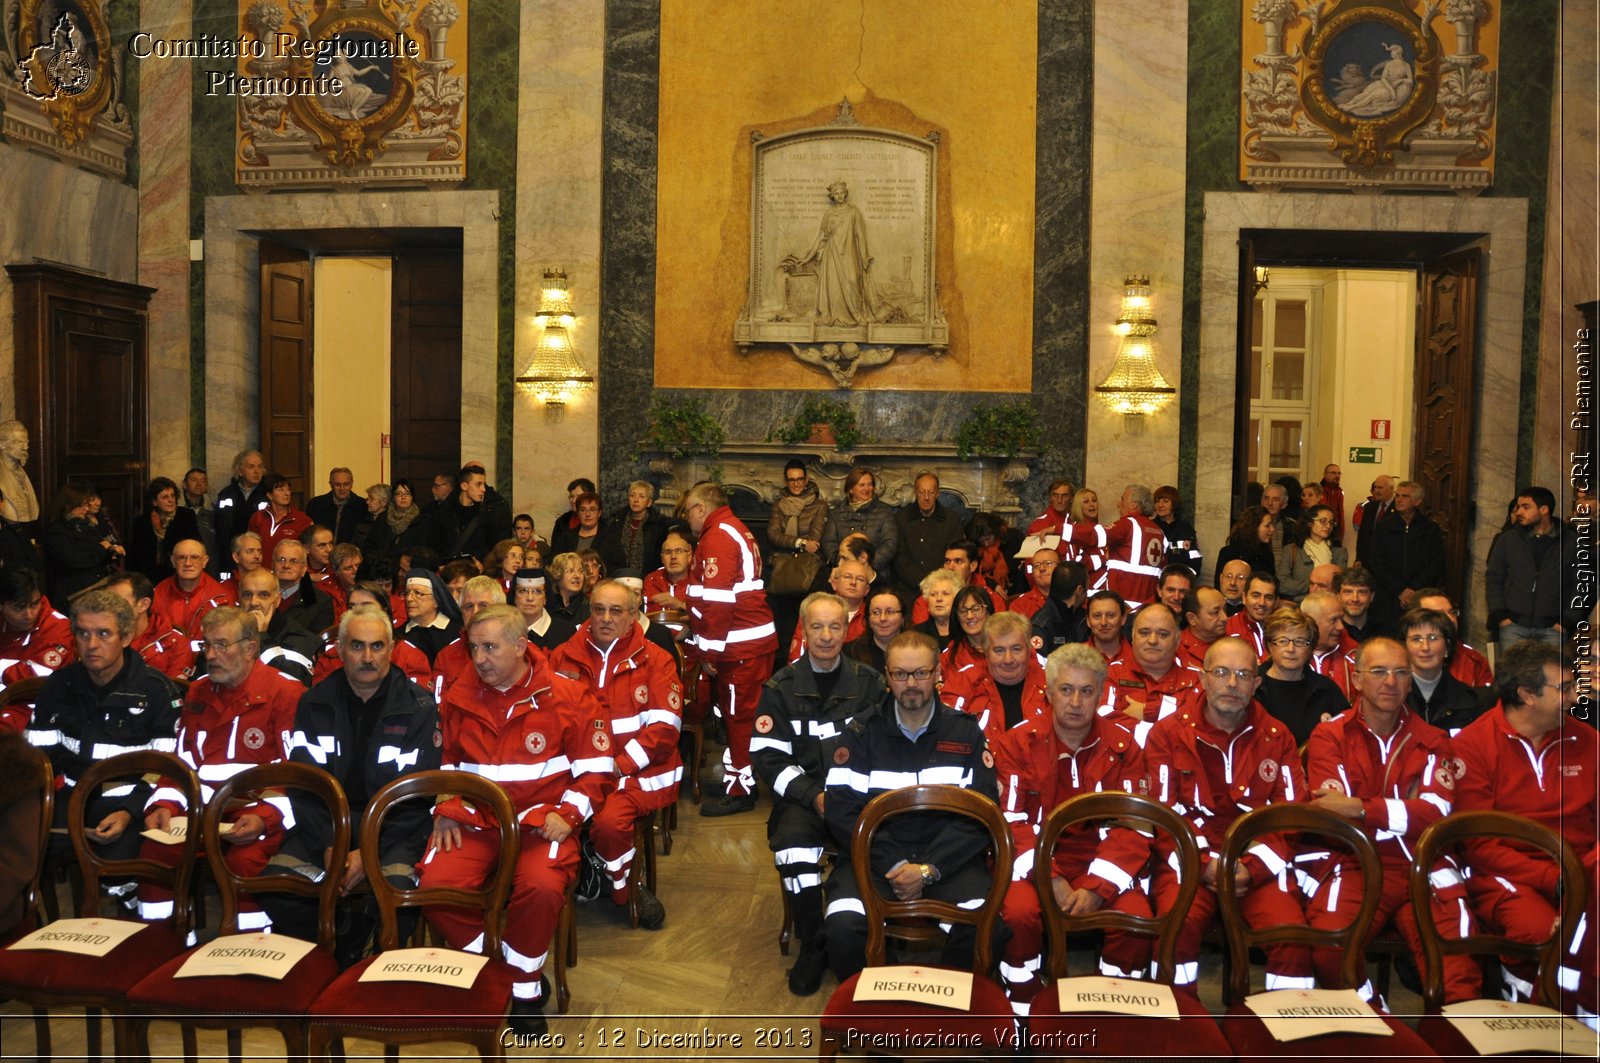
(652, 913)
(527, 1018)
(729, 805)
(593, 879)
(805, 977)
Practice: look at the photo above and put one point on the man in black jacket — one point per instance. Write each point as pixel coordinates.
(286, 643)
(1407, 554)
(366, 725)
(924, 528)
(465, 526)
(237, 503)
(911, 739)
(1527, 563)
(106, 702)
(802, 709)
(334, 511)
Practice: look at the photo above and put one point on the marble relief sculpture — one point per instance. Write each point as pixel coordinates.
(61, 83)
(1369, 94)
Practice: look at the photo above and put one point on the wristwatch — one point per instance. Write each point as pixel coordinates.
(927, 873)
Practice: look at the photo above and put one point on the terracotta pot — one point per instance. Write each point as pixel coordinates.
(822, 435)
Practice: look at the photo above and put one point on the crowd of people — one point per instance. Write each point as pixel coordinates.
(863, 648)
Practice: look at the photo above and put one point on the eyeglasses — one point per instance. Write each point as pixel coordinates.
(972, 610)
(794, 479)
(1424, 639)
(1323, 520)
(899, 675)
(1222, 675)
(219, 646)
(1383, 675)
(1285, 642)
(1566, 688)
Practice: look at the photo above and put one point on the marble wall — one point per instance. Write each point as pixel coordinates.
(1061, 180)
(1502, 222)
(1136, 226)
(558, 224)
(164, 241)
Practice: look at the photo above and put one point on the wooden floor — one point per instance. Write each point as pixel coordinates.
(713, 969)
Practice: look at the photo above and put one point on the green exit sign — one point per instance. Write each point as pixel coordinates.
(1366, 455)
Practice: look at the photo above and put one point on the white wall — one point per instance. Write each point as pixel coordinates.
(350, 370)
(1374, 351)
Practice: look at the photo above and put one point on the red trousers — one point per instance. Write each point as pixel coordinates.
(1124, 955)
(1524, 914)
(246, 860)
(1288, 966)
(736, 692)
(611, 831)
(1335, 904)
(538, 890)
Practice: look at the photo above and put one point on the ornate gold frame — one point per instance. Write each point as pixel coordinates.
(1369, 143)
(71, 116)
(354, 142)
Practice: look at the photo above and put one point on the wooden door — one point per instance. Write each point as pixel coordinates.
(286, 308)
(1447, 330)
(82, 379)
(425, 370)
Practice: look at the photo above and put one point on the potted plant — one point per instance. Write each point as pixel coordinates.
(1004, 429)
(683, 428)
(823, 422)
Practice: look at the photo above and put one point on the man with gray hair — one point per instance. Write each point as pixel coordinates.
(238, 502)
(106, 702)
(1134, 546)
(1407, 554)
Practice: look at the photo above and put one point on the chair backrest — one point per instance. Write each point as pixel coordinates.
(1304, 819)
(949, 800)
(490, 897)
(22, 692)
(1128, 810)
(282, 776)
(125, 770)
(1437, 841)
(45, 791)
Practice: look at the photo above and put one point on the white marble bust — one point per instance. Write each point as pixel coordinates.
(19, 503)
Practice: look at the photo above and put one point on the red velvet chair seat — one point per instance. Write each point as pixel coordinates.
(415, 1005)
(114, 973)
(236, 994)
(1194, 1036)
(1250, 1040)
(989, 1019)
(1449, 1041)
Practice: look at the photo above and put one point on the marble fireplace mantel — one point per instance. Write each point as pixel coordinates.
(982, 483)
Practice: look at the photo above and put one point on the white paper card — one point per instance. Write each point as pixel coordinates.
(445, 967)
(1119, 996)
(177, 829)
(1499, 1027)
(919, 985)
(83, 937)
(269, 956)
(1292, 1014)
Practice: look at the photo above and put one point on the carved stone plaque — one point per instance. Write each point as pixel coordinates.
(842, 249)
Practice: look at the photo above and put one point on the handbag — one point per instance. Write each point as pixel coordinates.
(793, 573)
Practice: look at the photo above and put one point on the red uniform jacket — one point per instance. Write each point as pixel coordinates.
(1135, 551)
(1555, 785)
(1027, 762)
(165, 648)
(225, 730)
(1127, 684)
(273, 531)
(919, 608)
(185, 609)
(658, 583)
(1469, 666)
(1259, 762)
(1391, 776)
(1192, 651)
(975, 692)
(1240, 626)
(636, 683)
(543, 741)
(1048, 523)
(1123, 651)
(856, 627)
(1028, 602)
(404, 656)
(449, 665)
(1338, 664)
(729, 619)
(36, 652)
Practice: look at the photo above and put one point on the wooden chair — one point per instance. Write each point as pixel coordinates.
(234, 1003)
(694, 725)
(643, 870)
(22, 692)
(986, 1025)
(1195, 1035)
(61, 980)
(397, 1013)
(34, 908)
(1437, 841)
(1244, 1029)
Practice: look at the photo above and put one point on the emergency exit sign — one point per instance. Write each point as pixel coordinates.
(1366, 455)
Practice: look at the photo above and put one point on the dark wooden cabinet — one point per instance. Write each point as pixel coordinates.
(82, 379)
